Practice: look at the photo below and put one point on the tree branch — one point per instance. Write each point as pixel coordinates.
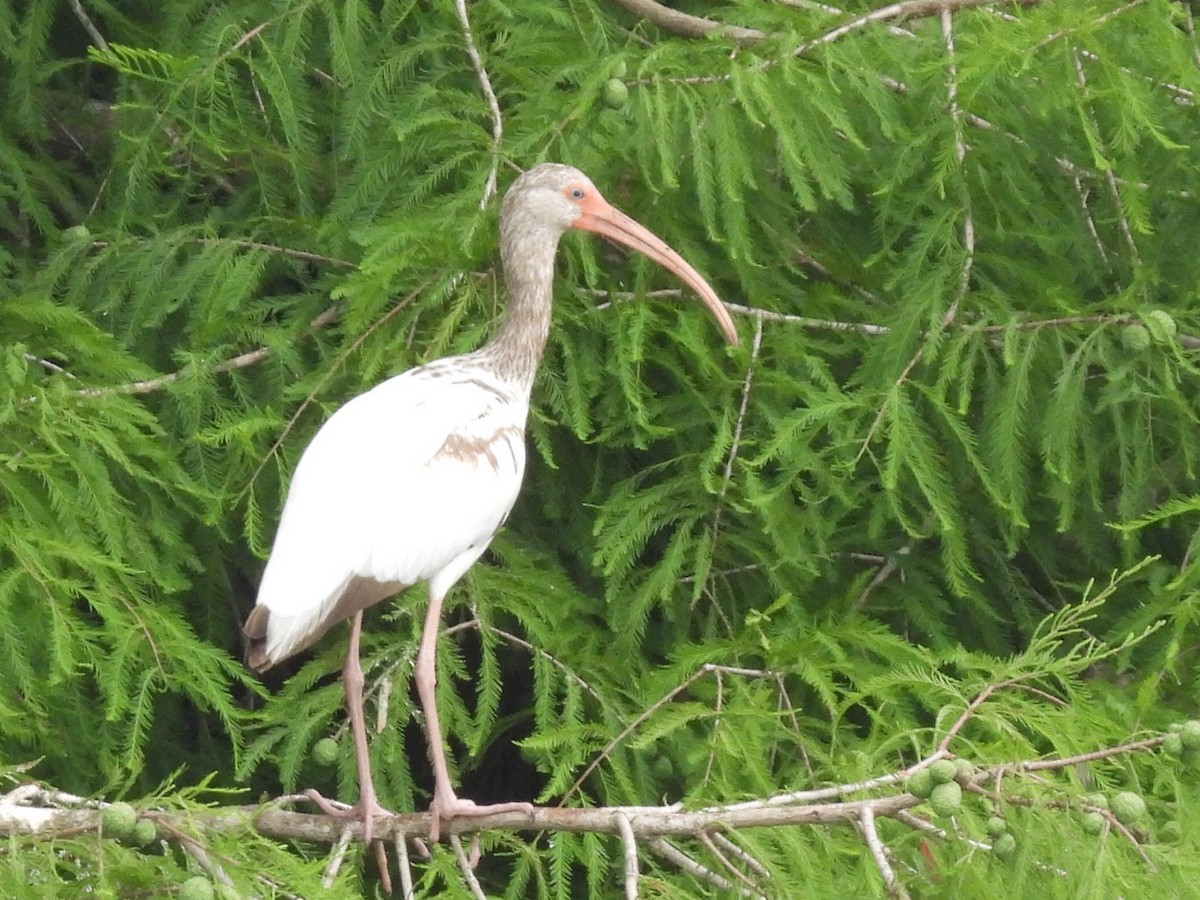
(687, 25)
(88, 25)
(629, 844)
(485, 84)
(866, 827)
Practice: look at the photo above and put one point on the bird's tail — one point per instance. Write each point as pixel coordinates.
(255, 631)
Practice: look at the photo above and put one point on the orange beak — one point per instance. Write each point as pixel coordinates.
(598, 216)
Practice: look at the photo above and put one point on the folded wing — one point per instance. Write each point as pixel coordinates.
(405, 483)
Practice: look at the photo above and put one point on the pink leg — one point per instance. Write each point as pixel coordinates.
(445, 804)
(367, 807)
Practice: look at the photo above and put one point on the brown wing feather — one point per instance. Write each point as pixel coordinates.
(356, 594)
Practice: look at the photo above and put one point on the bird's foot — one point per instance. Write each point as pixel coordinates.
(367, 809)
(444, 808)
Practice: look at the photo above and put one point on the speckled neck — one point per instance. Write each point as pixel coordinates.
(527, 251)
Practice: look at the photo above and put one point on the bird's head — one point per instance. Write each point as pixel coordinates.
(555, 197)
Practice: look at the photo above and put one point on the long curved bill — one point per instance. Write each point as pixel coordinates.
(599, 217)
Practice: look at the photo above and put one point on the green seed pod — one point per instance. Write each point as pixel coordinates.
(616, 94)
(1005, 846)
(1135, 338)
(943, 770)
(1161, 325)
(1093, 822)
(1190, 734)
(196, 888)
(996, 826)
(144, 833)
(964, 767)
(946, 798)
(1097, 799)
(1128, 807)
(1172, 745)
(325, 752)
(920, 784)
(77, 234)
(118, 820)
(619, 68)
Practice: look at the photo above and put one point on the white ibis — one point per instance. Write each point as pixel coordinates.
(409, 481)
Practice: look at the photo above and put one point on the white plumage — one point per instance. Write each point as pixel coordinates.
(409, 483)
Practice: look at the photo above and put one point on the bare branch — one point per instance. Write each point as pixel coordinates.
(1039, 765)
(485, 84)
(46, 364)
(866, 827)
(629, 843)
(960, 154)
(88, 25)
(687, 25)
(676, 856)
(336, 858)
(1110, 179)
(241, 361)
(735, 444)
(406, 879)
(629, 729)
(467, 869)
(889, 565)
(745, 858)
(711, 846)
(908, 9)
(242, 245)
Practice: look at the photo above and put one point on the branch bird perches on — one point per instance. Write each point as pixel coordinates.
(410, 481)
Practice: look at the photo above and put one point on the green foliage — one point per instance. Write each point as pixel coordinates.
(965, 394)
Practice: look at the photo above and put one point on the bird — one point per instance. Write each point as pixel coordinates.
(409, 481)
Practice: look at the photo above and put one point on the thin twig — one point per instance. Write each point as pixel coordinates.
(706, 669)
(485, 84)
(745, 858)
(706, 839)
(718, 706)
(88, 25)
(866, 827)
(1065, 762)
(1092, 23)
(241, 361)
(908, 9)
(890, 565)
(687, 25)
(976, 702)
(240, 244)
(1089, 221)
(406, 879)
(735, 444)
(968, 226)
(49, 366)
(464, 865)
(537, 651)
(629, 844)
(336, 858)
(697, 869)
(1110, 179)
(628, 730)
(960, 154)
